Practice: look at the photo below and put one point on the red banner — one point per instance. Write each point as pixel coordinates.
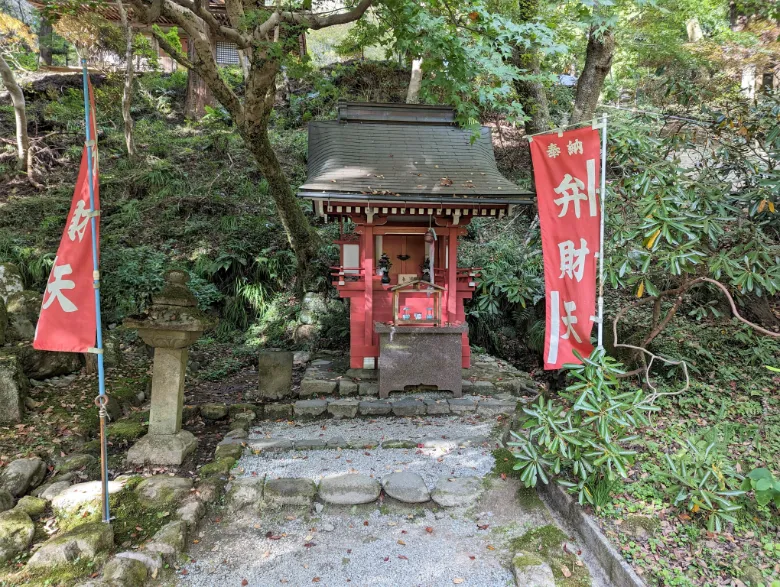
(67, 320)
(566, 173)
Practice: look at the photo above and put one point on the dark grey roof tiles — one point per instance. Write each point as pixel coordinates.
(404, 159)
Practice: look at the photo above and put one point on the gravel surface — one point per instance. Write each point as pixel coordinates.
(379, 429)
(378, 462)
(369, 550)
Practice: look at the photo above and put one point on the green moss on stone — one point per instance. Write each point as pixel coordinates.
(546, 542)
(32, 506)
(130, 514)
(525, 559)
(219, 467)
(125, 431)
(234, 451)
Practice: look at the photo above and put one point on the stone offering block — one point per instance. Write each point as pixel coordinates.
(274, 369)
(420, 356)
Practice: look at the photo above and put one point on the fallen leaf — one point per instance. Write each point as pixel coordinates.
(402, 557)
(244, 582)
(458, 580)
(310, 544)
(483, 526)
(185, 572)
(315, 580)
(491, 547)
(566, 572)
(429, 530)
(402, 543)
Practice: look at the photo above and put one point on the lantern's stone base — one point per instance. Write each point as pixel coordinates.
(162, 449)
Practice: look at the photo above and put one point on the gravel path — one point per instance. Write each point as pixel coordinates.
(316, 464)
(371, 550)
(380, 429)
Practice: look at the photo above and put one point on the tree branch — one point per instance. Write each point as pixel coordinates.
(317, 21)
(679, 292)
(229, 34)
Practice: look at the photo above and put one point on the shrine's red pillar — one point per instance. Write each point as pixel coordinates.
(452, 267)
(368, 271)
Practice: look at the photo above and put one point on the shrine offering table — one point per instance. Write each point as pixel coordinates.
(420, 355)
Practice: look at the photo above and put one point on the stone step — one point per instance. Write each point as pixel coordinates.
(372, 407)
(349, 489)
(337, 442)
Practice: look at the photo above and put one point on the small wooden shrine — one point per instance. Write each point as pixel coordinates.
(404, 181)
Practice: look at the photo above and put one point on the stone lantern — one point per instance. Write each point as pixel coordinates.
(170, 325)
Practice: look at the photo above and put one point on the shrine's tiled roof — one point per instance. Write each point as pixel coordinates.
(405, 152)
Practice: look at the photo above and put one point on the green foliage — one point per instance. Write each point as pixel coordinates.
(672, 221)
(581, 437)
(764, 485)
(700, 477)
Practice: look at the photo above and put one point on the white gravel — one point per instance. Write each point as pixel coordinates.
(370, 550)
(378, 462)
(446, 427)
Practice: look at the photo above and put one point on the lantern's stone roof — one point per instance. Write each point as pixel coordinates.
(389, 151)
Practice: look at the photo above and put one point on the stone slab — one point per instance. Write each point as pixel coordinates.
(278, 411)
(462, 405)
(368, 388)
(312, 408)
(457, 491)
(406, 487)
(436, 407)
(315, 387)
(349, 489)
(496, 407)
(168, 449)
(270, 444)
(347, 387)
(408, 407)
(310, 444)
(343, 408)
(375, 408)
(530, 571)
(289, 491)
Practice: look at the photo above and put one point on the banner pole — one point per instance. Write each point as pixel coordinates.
(101, 400)
(602, 194)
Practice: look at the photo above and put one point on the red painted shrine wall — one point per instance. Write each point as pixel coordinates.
(371, 301)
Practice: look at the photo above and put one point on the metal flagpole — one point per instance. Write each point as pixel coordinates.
(602, 194)
(101, 400)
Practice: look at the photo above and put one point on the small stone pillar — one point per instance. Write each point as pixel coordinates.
(171, 324)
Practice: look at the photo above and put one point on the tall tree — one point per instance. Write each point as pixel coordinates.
(44, 40)
(267, 36)
(17, 97)
(528, 85)
(598, 61)
(14, 35)
(127, 92)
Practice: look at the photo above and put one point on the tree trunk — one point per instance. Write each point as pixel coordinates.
(198, 93)
(415, 81)
(127, 93)
(531, 93)
(17, 97)
(598, 61)
(44, 41)
(299, 232)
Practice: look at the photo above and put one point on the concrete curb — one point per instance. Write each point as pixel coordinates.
(615, 567)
